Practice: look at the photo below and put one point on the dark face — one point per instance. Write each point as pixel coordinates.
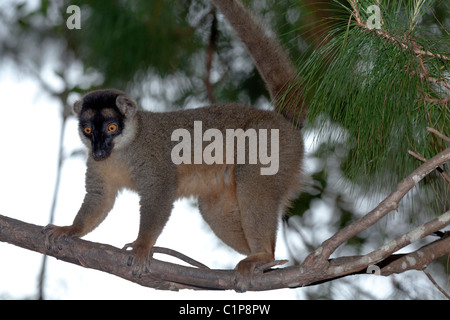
(101, 131)
(102, 115)
(101, 122)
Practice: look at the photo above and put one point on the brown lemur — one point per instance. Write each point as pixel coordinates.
(131, 148)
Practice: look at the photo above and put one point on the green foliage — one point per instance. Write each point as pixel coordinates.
(381, 90)
(122, 38)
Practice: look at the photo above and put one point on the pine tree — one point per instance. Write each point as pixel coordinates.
(382, 75)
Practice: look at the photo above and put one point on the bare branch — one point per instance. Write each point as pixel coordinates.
(436, 284)
(398, 263)
(400, 242)
(423, 159)
(438, 101)
(439, 134)
(209, 57)
(317, 268)
(168, 276)
(355, 12)
(417, 260)
(406, 45)
(321, 254)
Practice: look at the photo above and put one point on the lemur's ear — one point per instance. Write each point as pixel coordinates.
(77, 107)
(126, 106)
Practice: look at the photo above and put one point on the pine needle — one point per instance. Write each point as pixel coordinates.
(383, 86)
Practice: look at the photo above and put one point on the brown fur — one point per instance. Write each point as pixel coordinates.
(241, 205)
(272, 62)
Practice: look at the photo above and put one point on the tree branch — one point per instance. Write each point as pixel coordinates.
(436, 284)
(169, 276)
(321, 255)
(392, 246)
(209, 56)
(406, 45)
(316, 268)
(439, 134)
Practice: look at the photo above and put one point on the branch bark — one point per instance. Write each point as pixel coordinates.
(317, 267)
(168, 276)
(322, 254)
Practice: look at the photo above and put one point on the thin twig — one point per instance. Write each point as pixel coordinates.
(434, 80)
(209, 57)
(356, 12)
(400, 242)
(436, 284)
(406, 46)
(384, 34)
(54, 201)
(423, 159)
(440, 135)
(438, 101)
(417, 156)
(321, 254)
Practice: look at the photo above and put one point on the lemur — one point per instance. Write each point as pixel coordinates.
(131, 148)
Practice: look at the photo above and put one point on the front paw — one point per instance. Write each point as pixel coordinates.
(139, 259)
(54, 235)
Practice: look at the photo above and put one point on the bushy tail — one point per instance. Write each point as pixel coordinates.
(272, 61)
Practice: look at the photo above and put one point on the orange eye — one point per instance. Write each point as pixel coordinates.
(87, 130)
(112, 127)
